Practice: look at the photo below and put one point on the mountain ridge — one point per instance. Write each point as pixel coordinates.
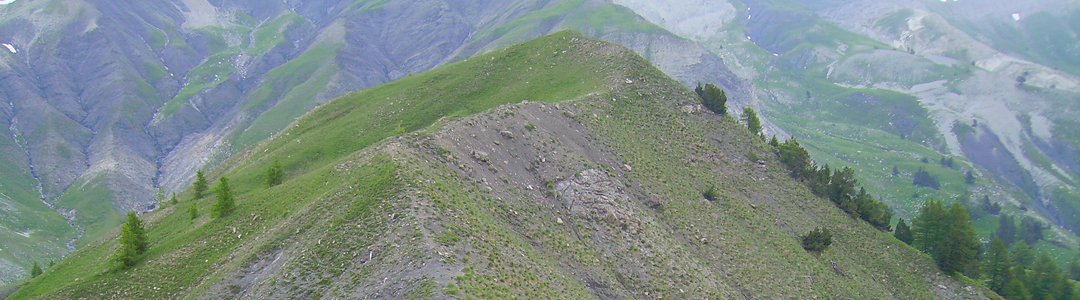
(589, 196)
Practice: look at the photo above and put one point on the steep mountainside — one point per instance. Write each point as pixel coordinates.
(589, 187)
(905, 83)
(110, 105)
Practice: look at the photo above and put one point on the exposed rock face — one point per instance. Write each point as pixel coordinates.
(594, 195)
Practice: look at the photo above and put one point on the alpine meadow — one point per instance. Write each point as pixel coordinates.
(539, 149)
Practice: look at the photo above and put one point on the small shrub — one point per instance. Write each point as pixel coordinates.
(817, 240)
(711, 194)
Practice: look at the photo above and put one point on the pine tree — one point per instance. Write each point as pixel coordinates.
(200, 184)
(35, 270)
(752, 122)
(895, 171)
(713, 98)
(133, 241)
(774, 142)
(174, 201)
(225, 201)
(275, 174)
(1006, 229)
(997, 266)
(969, 178)
(796, 159)
(1022, 255)
(903, 232)
(817, 240)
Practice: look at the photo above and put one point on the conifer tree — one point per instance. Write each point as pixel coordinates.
(275, 174)
(997, 267)
(961, 246)
(174, 201)
(35, 270)
(903, 232)
(1031, 230)
(225, 201)
(817, 240)
(1045, 279)
(796, 159)
(713, 98)
(948, 236)
(969, 178)
(1015, 290)
(200, 184)
(1006, 229)
(752, 122)
(774, 142)
(928, 227)
(1022, 255)
(133, 241)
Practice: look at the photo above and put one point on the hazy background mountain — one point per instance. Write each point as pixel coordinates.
(883, 84)
(109, 101)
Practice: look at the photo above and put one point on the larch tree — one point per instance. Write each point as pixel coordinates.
(35, 270)
(752, 122)
(225, 201)
(133, 241)
(1022, 255)
(275, 174)
(200, 184)
(997, 266)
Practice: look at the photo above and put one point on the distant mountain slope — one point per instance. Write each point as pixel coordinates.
(879, 85)
(591, 189)
(109, 102)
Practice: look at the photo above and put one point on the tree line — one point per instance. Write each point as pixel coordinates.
(948, 236)
(946, 233)
(839, 186)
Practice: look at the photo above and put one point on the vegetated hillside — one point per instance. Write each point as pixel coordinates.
(590, 187)
(109, 105)
(902, 84)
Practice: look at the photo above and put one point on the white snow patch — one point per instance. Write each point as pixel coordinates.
(10, 48)
(6, 2)
(25, 234)
(1016, 16)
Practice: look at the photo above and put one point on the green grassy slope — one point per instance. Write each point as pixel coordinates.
(535, 71)
(28, 222)
(367, 211)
